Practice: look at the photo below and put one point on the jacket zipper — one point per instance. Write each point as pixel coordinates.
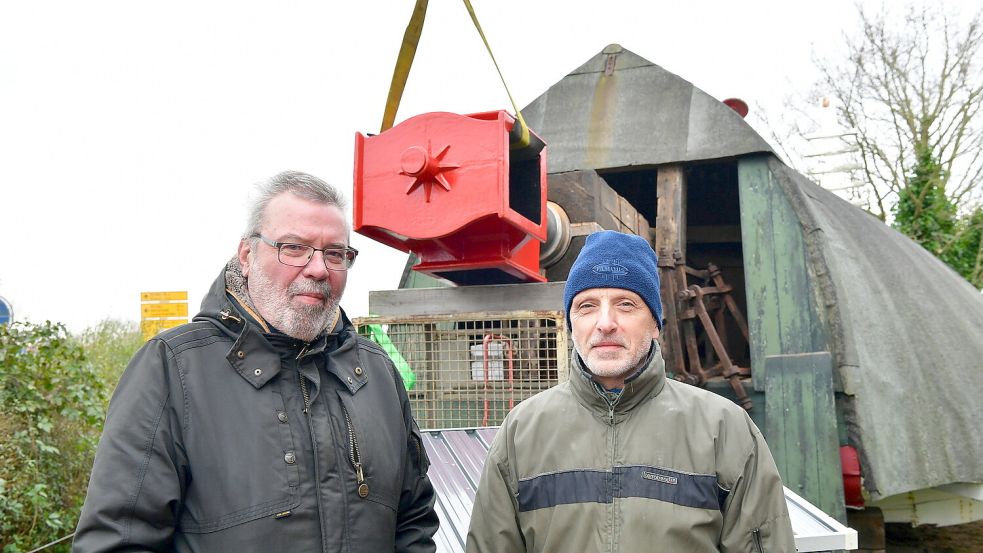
(614, 454)
(310, 427)
(614, 448)
(354, 456)
(756, 538)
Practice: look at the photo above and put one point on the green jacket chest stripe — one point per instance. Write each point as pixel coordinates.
(701, 491)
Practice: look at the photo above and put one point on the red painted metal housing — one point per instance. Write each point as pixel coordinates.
(447, 187)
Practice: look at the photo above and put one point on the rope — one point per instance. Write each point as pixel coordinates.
(407, 51)
(523, 140)
(56, 542)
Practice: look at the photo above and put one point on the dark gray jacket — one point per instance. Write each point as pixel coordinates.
(210, 445)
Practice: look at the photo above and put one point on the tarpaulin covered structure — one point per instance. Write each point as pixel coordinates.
(814, 274)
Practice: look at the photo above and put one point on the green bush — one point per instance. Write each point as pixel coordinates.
(53, 407)
(109, 346)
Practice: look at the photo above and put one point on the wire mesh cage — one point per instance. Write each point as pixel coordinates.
(468, 370)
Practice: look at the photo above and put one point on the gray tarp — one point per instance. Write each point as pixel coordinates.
(907, 335)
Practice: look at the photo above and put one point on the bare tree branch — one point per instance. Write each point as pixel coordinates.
(913, 87)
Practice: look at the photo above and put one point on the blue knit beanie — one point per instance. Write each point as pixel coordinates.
(614, 260)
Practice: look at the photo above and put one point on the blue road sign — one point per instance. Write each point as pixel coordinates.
(6, 312)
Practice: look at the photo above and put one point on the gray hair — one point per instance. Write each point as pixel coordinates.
(300, 184)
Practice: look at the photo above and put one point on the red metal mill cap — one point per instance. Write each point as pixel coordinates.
(448, 188)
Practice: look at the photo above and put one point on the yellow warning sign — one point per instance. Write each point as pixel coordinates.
(162, 310)
(163, 296)
(159, 310)
(150, 328)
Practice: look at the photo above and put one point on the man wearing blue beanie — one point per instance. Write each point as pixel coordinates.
(620, 458)
(622, 269)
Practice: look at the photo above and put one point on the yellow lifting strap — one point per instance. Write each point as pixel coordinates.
(407, 51)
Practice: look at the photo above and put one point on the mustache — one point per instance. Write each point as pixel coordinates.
(595, 340)
(309, 287)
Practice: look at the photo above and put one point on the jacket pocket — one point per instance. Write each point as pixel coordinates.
(244, 465)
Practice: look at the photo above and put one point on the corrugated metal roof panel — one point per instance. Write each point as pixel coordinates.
(456, 458)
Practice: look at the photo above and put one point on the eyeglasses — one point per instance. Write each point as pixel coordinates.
(299, 255)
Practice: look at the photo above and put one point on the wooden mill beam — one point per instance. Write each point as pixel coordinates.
(670, 245)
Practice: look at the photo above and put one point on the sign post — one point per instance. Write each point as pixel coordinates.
(162, 310)
(6, 311)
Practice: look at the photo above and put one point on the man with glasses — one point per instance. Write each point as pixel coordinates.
(266, 424)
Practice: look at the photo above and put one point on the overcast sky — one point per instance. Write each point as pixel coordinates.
(131, 132)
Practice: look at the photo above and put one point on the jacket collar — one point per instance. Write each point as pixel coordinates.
(646, 382)
(258, 349)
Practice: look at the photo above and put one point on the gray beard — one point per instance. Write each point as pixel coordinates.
(304, 322)
(633, 364)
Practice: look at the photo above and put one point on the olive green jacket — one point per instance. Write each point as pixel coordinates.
(663, 467)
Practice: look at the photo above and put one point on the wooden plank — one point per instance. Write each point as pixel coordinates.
(782, 313)
(683, 207)
(627, 215)
(545, 296)
(669, 222)
(796, 313)
(670, 337)
(756, 196)
(800, 422)
(587, 198)
(580, 194)
(786, 331)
